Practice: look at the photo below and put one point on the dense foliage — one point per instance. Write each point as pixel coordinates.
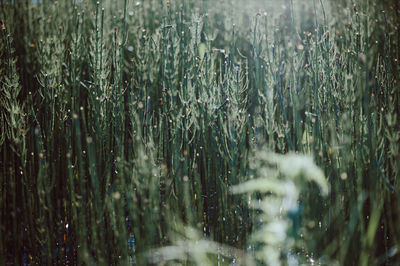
(199, 132)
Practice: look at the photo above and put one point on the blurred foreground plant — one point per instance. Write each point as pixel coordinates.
(280, 179)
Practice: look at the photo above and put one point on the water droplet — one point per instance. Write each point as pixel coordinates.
(116, 195)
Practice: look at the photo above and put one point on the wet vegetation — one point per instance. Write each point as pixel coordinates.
(199, 132)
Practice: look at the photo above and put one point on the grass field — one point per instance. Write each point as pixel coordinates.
(204, 132)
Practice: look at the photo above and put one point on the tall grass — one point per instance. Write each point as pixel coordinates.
(126, 126)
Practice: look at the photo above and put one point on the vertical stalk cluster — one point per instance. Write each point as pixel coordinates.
(124, 126)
